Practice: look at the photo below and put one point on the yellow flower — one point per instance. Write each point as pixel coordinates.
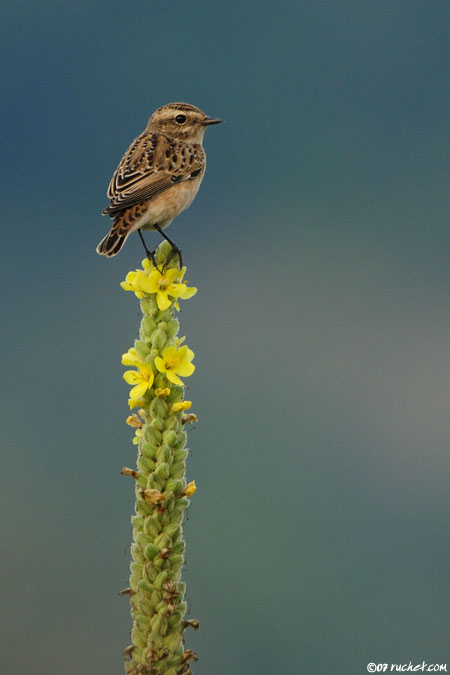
(134, 421)
(162, 392)
(132, 358)
(165, 285)
(136, 403)
(142, 379)
(190, 418)
(132, 282)
(190, 488)
(181, 405)
(137, 436)
(176, 362)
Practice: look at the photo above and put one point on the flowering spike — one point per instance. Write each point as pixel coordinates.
(158, 359)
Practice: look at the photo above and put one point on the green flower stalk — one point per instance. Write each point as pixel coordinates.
(159, 360)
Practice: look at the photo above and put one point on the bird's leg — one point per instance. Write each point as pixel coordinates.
(175, 248)
(150, 254)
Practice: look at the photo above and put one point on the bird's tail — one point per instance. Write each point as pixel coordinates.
(112, 243)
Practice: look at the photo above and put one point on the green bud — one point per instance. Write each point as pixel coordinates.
(173, 422)
(156, 623)
(158, 407)
(150, 551)
(142, 538)
(183, 503)
(163, 453)
(134, 581)
(159, 563)
(144, 464)
(177, 514)
(152, 526)
(173, 641)
(160, 579)
(135, 568)
(156, 596)
(155, 641)
(163, 540)
(172, 327)
(177, 470)
(163, 471)
(158, 425)
(142, 621)
(172, 530)
(174, 486)
(169, 437)
(137, 522)
(180, 455)
(176, 561)
(148, 450)
(141, 348)
(174, 619)
(158, 339)
(148, 572)
(178, 546)
(148, 325)
(137, 554)
(138, 637)
(170, 502)
(142, 507)
(172, 671)
(144, 586)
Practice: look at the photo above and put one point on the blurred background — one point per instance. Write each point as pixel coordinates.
(318, 537)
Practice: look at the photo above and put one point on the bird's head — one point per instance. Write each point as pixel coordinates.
(182, 121)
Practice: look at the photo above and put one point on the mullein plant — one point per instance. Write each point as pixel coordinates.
(157, 363)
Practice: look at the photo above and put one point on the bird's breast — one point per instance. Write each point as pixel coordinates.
(166, 206)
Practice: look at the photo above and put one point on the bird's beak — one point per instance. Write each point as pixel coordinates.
(211, 120)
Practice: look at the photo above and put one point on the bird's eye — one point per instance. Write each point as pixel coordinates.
(180, 119)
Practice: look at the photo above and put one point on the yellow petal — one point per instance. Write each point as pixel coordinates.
(135, 403)
(189, 354)
(181, 405)
(162, 391)
(131, 357)
(169, 353)
(171, 274)
(185, 369)
(162, 300)
(149, 285)
(190, 488)
(176, 290)
(159, 363)
(139, 390)
(132, 377)
(189, 292)
(173, 377)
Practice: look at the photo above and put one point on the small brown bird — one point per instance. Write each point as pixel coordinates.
(158, 176)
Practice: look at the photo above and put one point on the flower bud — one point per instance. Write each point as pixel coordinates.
(162, 471)
(160, 579)
(150, 551)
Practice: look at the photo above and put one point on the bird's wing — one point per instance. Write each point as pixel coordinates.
(153, 163)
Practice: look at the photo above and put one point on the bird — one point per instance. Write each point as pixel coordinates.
(158, 177)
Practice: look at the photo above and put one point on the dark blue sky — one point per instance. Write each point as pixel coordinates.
(317, 539)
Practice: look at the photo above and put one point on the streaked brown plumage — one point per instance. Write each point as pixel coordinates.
(158, 176)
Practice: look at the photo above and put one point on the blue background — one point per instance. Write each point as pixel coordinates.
(318, 537)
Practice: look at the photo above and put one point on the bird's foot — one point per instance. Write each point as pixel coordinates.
(175, 251)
